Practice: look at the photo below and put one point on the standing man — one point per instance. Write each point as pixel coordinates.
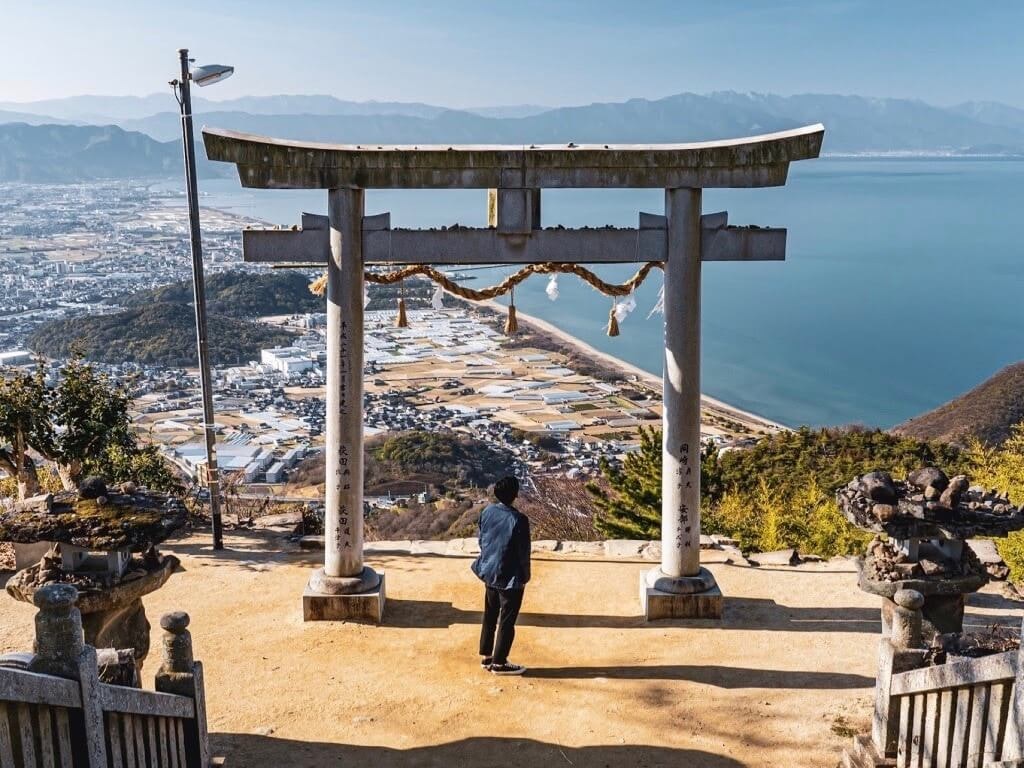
(504, 568)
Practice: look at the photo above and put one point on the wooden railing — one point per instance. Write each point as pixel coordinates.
(964, 714)
(958, 714)
(57, 713)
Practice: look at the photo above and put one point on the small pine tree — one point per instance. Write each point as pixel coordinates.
(630, 508)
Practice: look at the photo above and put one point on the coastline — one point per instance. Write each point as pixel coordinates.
(751, 420)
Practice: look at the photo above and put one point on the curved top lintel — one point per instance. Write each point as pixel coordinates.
(742, 162)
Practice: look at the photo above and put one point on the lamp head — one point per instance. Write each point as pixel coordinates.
(211, 73)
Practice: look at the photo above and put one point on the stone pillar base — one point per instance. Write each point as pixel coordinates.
(366, 607)
(698, 597)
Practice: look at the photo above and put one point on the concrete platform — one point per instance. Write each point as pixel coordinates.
(361, 607)
(656, 604)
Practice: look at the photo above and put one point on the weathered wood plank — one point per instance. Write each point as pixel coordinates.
(200, 716)
(1014, 747)
(140, 741)
(26, 735)
(995, 727)
(128, 739)
(6, 743)
(33, 688)
(92, 710)
(117, 698)
(172, 747)
(930, 735)
(976, 737)
(906, 704)
(162, 737)
(151, 743)
(114, 730)
(947, 704)
(917, 729)
(44, 719)
(960, 725)
(60, 715)
(990, 669)
(179, 728)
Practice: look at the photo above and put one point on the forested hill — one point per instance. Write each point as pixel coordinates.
(157, 334)
(986, 412)
(240, 294)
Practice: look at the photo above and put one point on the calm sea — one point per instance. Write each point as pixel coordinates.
(903, 286)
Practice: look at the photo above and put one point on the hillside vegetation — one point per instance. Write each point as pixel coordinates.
(777, 494)
(157, 334)
(986, 412)
(240, 294)
(406, 462)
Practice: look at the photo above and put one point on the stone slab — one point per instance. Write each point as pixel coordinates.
(462, 547)
(624, 548)
(657, 605)
(986, 551)
(783, 557)
(427, 547)
(363, 607)
(545, 545)
(394, 546)
(583, 548)
(26, 555)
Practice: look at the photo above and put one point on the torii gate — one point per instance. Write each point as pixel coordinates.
(346, 240)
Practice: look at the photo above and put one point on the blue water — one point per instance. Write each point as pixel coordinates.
(903, 285)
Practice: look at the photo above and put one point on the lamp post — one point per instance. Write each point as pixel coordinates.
(182, 89)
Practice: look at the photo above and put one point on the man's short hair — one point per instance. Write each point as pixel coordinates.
(506, 489)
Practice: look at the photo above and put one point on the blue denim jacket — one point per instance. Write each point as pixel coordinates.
(504, 561)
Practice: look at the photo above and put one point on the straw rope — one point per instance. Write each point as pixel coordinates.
(319, 286)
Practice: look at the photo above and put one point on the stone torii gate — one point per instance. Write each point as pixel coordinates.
(346, 240)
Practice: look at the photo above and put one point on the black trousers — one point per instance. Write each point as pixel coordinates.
(501, 609)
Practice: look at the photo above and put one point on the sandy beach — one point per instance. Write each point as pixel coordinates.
(751, 421)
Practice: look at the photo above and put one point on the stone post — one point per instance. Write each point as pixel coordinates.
(182, 675)
(344, 588)
(680, 587)
(59, 639)
(899, 651)
(176, 662)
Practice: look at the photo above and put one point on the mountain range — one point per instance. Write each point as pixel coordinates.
(86, 137)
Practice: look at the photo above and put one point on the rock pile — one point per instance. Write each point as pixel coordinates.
(887, 563)
(927, 504)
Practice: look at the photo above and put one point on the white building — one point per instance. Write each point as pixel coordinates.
(287, 359)
(15, 357)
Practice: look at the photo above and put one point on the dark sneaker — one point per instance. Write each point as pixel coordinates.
(486, 662)
(507, 669)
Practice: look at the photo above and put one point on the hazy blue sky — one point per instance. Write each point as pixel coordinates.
(477, 53)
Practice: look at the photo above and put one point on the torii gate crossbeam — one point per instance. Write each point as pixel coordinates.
(347, 239)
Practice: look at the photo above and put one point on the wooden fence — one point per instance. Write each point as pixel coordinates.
(57, 714)
(963, 714)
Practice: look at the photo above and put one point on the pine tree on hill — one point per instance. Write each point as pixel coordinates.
(631, 507)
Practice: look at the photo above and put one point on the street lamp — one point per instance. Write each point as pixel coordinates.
(201, 76)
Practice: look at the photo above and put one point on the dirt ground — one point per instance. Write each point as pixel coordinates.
(781, 680)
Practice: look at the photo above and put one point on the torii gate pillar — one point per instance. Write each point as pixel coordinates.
(680, 587)
(345, 588)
